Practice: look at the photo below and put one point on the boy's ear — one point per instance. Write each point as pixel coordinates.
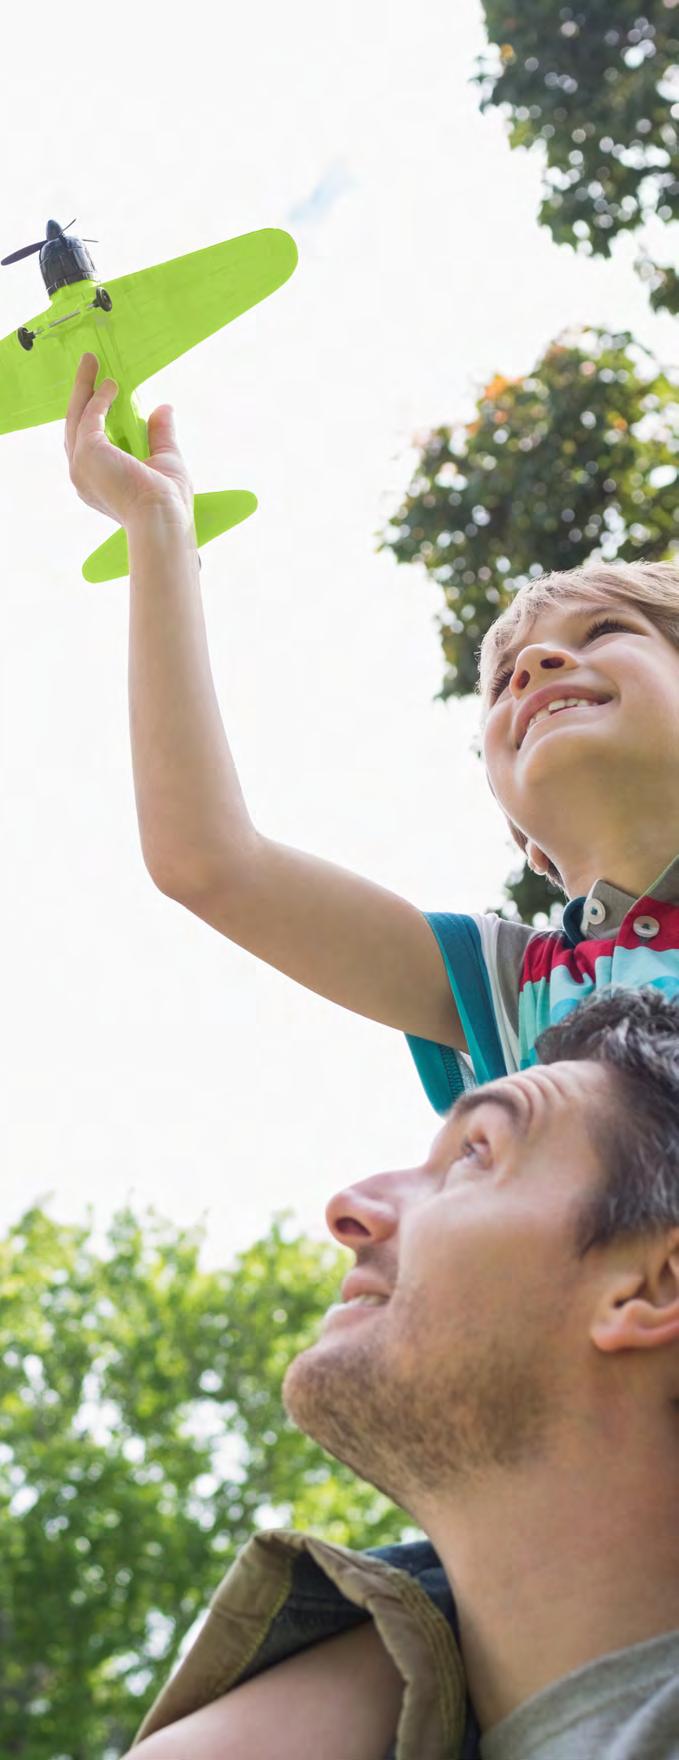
(536, 858)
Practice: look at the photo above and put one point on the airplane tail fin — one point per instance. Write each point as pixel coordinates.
(213, 513)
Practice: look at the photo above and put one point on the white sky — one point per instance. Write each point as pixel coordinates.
(143, 1057)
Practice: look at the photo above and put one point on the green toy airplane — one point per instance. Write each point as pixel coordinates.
(135, 326)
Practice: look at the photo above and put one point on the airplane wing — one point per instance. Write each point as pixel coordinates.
(157, 314)
(35, 387)
(161, 312)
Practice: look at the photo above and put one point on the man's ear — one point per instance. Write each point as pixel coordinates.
(640, 1309)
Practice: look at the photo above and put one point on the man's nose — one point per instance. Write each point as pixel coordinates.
(361, 1212)
(535, 660)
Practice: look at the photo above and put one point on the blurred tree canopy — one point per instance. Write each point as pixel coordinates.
(597, 88)
(142, 1439)
(579, 455)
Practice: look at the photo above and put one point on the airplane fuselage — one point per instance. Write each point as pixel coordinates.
(76, 325)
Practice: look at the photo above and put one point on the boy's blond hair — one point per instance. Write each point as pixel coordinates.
(653, 587)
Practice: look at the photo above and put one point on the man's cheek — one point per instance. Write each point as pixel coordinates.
(426, 1264)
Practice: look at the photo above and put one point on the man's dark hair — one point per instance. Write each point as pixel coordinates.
(634, 1034)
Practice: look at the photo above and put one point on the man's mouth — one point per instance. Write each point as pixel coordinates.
(365, 1301)
(354, 1303)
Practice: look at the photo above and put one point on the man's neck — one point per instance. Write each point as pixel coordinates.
(555, 1573)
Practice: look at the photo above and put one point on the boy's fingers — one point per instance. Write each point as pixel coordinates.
(85, 402)
(83, 386)
(101, 400)
(161, 429)
(96, 410)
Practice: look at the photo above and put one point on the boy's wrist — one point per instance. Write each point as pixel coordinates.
(159, 522)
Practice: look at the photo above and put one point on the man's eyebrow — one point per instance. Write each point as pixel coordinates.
(467, 1103)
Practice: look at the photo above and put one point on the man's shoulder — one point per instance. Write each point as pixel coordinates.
(287, 1590)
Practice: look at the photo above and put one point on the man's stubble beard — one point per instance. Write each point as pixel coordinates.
(343, 1400)
(410, 1417)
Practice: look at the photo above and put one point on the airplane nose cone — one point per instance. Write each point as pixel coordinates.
(53, 229)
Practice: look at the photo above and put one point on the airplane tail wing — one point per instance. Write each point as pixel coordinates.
(213, 513)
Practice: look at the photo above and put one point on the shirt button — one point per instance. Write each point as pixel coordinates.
(594, 912)
(647, 927)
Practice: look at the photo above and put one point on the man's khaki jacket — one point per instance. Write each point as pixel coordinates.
(288, 1590)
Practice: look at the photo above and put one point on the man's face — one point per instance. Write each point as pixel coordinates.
(628, 738)
(481, 1336)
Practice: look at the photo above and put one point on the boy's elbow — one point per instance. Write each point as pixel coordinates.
(213, 893)
(174, 878)
(176, 883)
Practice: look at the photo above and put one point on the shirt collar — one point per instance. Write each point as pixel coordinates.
(603, 909)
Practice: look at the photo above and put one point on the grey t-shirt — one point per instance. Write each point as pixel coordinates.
(622, 1707)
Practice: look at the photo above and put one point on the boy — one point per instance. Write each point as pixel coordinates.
(597, 809)
(592, 656)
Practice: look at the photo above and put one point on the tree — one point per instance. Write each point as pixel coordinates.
(595, 89)
(529, 898)
(575, 457)
(578, 457)
(142, 1439)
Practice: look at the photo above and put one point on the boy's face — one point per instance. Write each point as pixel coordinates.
(620, 749)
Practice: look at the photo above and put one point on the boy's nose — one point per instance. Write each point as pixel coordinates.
(543, 663)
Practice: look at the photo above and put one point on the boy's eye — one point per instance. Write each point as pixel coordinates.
(499, 683)
(605, 623)
(595, 629)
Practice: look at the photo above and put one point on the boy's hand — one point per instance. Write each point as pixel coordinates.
(112, 480)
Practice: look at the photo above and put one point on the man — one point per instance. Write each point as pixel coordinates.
(505, 1365)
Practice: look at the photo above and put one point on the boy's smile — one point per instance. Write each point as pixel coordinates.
(604, 801)
(542, 706)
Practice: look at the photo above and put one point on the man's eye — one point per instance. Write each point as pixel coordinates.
(467, 1148)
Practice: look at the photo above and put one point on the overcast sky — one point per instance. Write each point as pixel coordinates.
(144, 1058)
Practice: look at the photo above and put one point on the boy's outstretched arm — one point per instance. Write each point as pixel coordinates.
(340, 935)
(340, 1700)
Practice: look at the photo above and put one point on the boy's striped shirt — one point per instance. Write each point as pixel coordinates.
(511, 981)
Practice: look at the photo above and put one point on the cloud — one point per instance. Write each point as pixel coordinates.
(335, 182)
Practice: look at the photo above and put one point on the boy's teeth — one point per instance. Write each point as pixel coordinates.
(559, 703)
(367, 1301)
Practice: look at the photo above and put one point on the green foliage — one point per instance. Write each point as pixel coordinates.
(555, 466)
(663, 284)
(594, 87)
(529, 898)
(142, 1439)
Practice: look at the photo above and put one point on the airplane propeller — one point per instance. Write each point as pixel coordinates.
(28, 249)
